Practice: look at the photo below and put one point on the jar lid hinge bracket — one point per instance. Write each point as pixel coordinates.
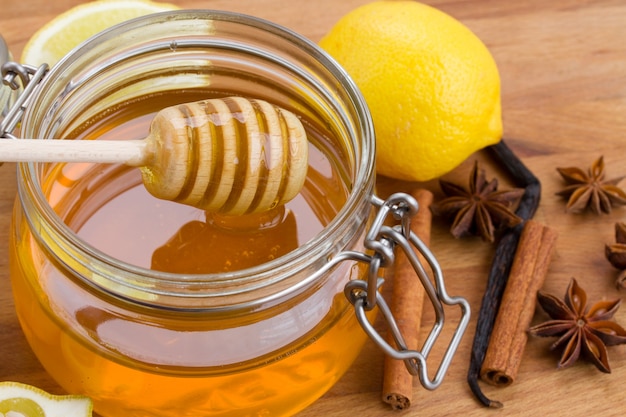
(29, 77)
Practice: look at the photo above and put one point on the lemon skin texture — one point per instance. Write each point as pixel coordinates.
(432, 86)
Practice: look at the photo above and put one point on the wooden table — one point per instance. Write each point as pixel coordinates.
(563, 69)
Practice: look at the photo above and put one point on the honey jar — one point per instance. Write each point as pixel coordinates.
(152, 308)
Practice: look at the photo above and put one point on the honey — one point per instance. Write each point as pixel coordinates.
(120, 385)
(110, 209)
(154, 308)
(147, 362)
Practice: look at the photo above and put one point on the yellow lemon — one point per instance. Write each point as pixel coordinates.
(432, 86)
(24, 400)
(66, 31)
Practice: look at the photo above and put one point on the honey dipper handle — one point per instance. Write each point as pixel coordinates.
(129, 152)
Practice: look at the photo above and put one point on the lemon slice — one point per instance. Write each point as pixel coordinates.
(21, 400)
(66, 31)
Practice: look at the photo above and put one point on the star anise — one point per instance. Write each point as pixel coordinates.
(590, 189)
(482, 210)
(616, 254)
(580, 330)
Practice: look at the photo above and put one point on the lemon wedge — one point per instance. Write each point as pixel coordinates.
(21, 400)
(66, 31)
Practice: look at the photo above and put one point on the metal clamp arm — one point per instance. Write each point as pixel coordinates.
(365, 294)
(29, 77)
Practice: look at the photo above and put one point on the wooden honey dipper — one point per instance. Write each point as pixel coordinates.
(231, 156)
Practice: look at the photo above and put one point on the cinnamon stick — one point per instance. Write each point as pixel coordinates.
(501, 264)
(509, 335)
(407, 299)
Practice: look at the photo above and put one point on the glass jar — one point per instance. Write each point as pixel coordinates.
(261, 341)
(140, 341)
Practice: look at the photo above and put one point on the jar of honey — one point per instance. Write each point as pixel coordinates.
(152, 308)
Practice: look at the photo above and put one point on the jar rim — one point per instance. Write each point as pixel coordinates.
(262, 275)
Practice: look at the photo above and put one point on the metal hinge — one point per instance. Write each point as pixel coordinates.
(364, 294)
(19, 76)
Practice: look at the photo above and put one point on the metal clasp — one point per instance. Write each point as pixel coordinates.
(28, 76)
(364, 295)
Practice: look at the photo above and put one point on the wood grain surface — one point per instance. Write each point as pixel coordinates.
(563, 70)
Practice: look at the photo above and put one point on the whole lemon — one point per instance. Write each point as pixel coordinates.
(432, 86)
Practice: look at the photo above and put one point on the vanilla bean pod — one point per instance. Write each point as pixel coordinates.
(501, 264)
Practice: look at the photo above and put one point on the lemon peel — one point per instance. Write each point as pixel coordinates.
(67, 30)
(17, 399)
(432, 86)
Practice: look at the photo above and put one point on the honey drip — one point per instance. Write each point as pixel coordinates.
(228, 243)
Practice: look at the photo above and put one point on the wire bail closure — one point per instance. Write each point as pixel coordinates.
(29, 76)
(364, 295)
